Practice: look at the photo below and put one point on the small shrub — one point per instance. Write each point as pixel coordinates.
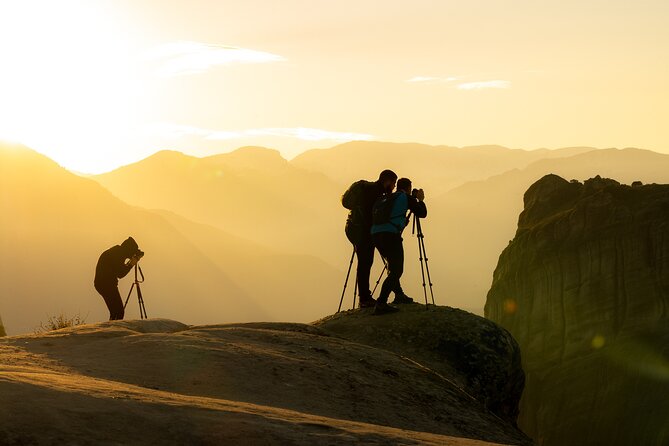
(58, 322)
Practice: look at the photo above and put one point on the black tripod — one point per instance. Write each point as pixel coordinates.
(355, 291)
(422, 255)
(140, 299)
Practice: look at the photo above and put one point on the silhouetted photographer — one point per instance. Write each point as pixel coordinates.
(113, 264)
(389, 220)
(359, 199)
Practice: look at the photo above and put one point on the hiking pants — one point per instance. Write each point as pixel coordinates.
(390, 246)
(364, 250)
(112, 297)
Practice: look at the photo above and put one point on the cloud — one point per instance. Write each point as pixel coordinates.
(484, 84)
(175, 131)
(431, 79)
(185, 57)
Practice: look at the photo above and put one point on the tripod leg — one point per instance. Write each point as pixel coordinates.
(427, 268)
(142, 308)
(346, 281)
(385, 267)
(355, 291)
(129, 294)
(420, 259)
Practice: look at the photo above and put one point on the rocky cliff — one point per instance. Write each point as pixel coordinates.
(584, 288)
(162, 382)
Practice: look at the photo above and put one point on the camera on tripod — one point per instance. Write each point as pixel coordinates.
(135, 285)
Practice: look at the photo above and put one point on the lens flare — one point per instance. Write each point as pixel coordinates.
(510, 306)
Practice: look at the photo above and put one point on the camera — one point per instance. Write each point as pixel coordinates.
(139, 254)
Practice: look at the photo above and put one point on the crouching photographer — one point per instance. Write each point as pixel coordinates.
(113, 264)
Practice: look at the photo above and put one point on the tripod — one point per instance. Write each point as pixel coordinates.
(140, 299)
(422, 255)
(355, 292)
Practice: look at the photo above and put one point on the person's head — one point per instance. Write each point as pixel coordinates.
(130, 246)
(404, 184)
(387, 178)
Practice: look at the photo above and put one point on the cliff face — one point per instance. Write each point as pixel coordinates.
(584, 289)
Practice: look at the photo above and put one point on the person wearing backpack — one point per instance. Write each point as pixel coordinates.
(389, 219)
(359, 199)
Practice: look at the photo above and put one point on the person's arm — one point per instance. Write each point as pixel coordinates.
(122, 269)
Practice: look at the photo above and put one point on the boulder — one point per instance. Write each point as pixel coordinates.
(480, 356)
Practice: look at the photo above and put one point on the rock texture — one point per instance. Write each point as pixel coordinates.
(584, 289)
(162, 382)
(478, 355)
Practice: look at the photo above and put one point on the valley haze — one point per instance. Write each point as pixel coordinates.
(249, 235)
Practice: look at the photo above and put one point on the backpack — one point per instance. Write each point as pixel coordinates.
(383, 208)
(352, 198)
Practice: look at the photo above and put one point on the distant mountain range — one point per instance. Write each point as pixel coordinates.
(54, 225)
(248, 235)
(294, 206)
(434, 168)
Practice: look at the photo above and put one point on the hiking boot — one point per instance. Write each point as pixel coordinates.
(402, 299)
(384, 308)
(368, 302)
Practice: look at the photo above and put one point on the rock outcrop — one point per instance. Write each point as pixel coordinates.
(584, 289)
(480, 356)
(162, 382)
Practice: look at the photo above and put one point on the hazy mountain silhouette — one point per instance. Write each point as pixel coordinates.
(286, 286)
(434, 168)
(54, 225)
(252, 192)
(291, 209)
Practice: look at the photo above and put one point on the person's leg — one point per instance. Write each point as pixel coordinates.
(113, 300)
(390, 247)
(400, 296)
(365, 253)
(395, 262)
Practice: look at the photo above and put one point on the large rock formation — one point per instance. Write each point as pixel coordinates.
(584, 289)
(161, 382)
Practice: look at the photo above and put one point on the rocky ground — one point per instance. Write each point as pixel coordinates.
(161, 382)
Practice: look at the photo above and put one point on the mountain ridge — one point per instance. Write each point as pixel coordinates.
(57, 223)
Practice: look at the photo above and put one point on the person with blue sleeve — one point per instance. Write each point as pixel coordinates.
(390, 219)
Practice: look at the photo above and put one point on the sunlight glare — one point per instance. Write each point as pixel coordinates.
(69, 86)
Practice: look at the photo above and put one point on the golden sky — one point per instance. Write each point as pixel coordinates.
(97, 84)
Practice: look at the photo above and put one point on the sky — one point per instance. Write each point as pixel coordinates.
(97, 84)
